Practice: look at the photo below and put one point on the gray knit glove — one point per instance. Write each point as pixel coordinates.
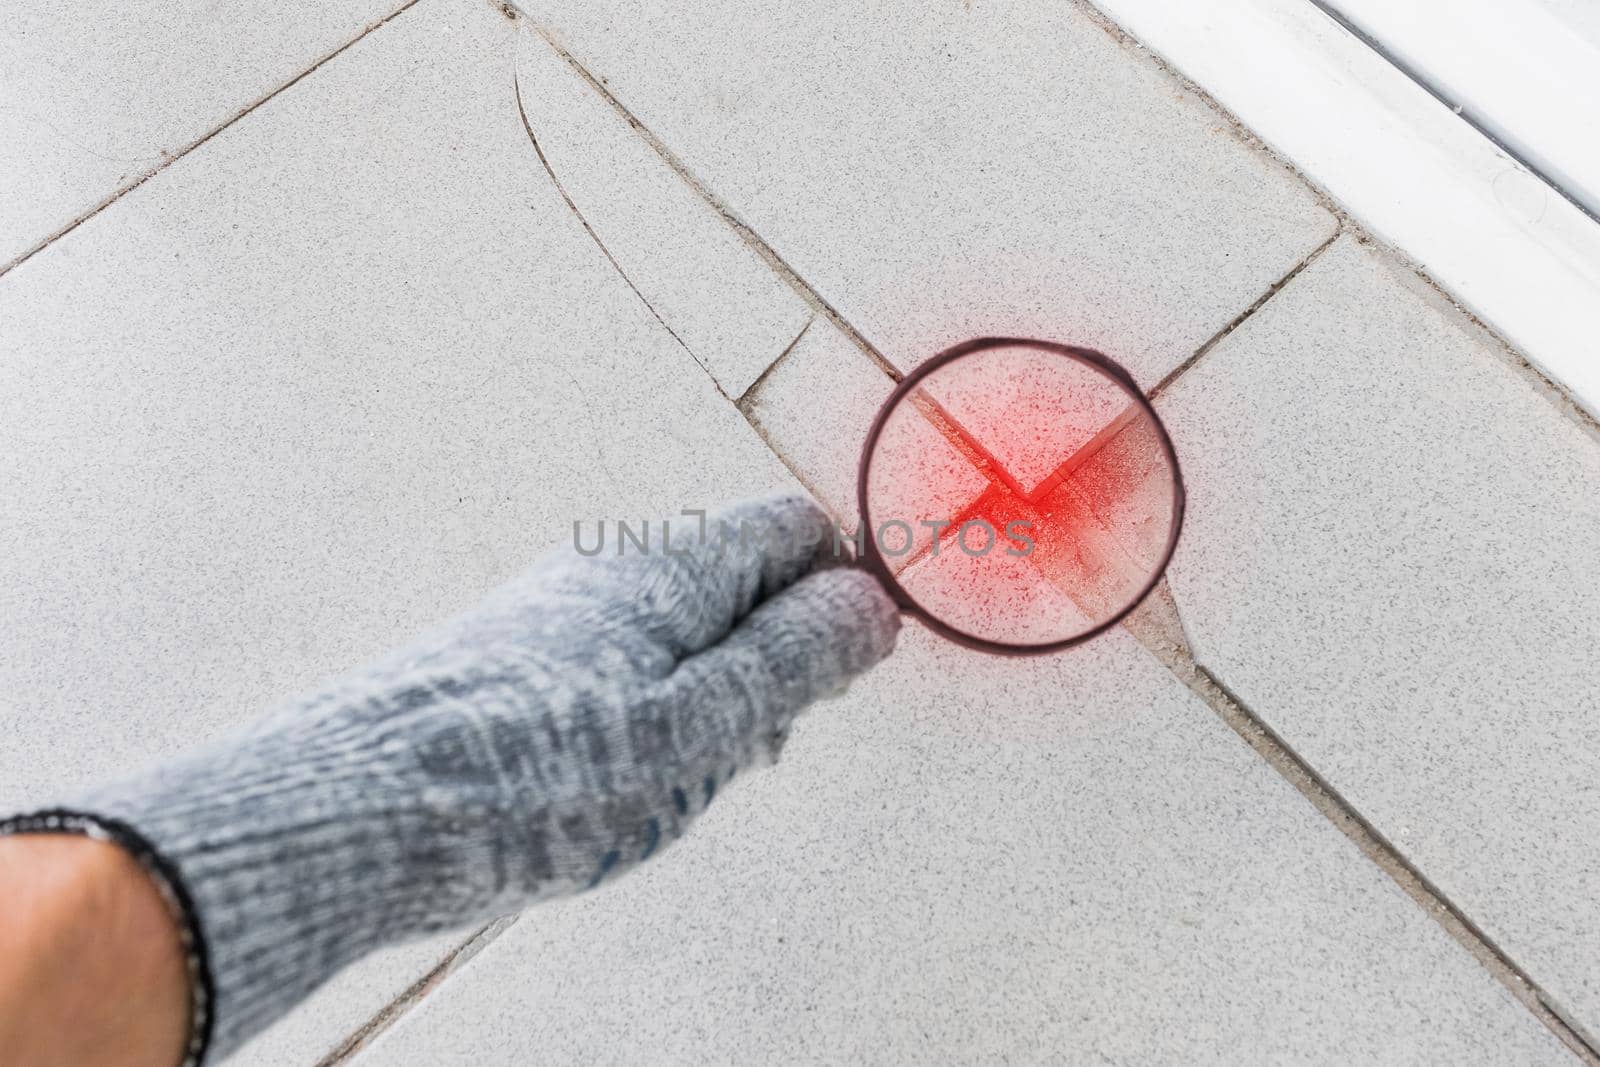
(568, 728)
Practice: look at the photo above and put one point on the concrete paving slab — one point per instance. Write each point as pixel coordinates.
(965, 169)
(815, 407)
(94, 97)
(307, 391)
(976, 860)
(1390, 557)
(712, 290)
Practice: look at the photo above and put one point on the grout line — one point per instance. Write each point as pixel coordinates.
(169, 160)
(746, 407)
(1238, 320)
(413, 994)
(1224, 703)
(1157, 624)
(1371, 843)
(752, 239)
(1240, 132)
(1462, 318)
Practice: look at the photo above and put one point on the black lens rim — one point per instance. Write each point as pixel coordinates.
(871, 557)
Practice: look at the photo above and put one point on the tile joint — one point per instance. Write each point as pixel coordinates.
(413, 994)
(1239, 319)
(752, 240)
(170, 158)
(1371, 843)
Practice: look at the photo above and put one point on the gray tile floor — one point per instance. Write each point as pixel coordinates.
(948, 172)
(353, 359)
(707, 285)
(1391, 557)
(94, 100)
(975, 860)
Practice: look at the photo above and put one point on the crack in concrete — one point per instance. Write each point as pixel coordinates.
(544, 161)
(754, 241)
(594, 236)
(748, 396)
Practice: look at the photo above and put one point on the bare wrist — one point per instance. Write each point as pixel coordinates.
(92, 969)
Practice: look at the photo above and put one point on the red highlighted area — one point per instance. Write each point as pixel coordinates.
(1021, 496)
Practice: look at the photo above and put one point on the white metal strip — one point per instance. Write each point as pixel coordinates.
(1499, 239)
(1523, 72)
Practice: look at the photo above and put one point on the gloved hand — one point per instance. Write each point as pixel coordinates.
(567, 729)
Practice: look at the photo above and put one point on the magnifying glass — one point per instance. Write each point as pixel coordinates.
(1018, 496)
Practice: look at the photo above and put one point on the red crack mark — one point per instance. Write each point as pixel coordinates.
(990, 466)
(1099, 523)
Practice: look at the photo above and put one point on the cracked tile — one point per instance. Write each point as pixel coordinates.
(716, 294)
(938, 173)
(815, 408)
(93, 97)
(1116, 500)
(318, 387)
(1390, 557)
(971, 859)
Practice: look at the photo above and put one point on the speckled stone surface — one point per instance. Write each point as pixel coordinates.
(1391, 556)
(94, 96)
(978, 860)
(716, 294)
(815, 407)
(310, 390)
(939, 172)
(354, 361)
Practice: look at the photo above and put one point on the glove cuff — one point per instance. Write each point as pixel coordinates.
(291, 857)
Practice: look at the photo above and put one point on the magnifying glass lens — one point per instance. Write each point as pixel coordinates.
(1020, 495)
